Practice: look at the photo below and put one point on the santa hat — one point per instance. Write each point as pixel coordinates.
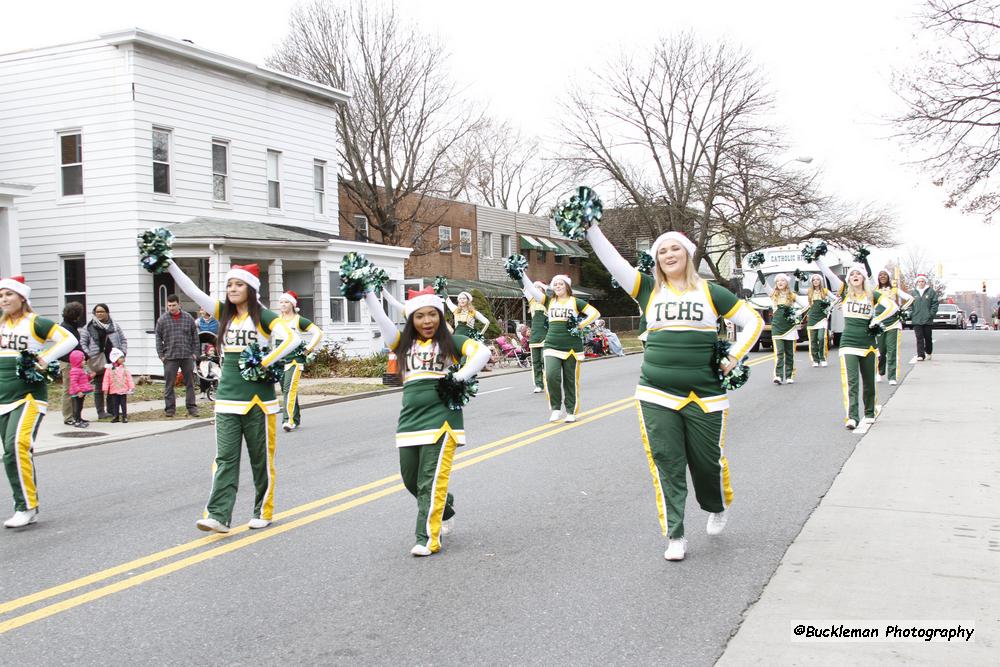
(860, 268)
(563, 277)
(292, 298)
(921, 276)
(783, 276)
(417, 299)
(467, 296)
(115, 354)
(17, 285)
(672, 236)
(249, 273)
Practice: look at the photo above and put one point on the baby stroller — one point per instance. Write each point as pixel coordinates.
(208, 369)
(596, 344)
(512, 352)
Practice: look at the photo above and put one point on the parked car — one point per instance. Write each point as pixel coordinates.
(949, 316)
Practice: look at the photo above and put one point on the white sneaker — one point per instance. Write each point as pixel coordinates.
(537, 390)
(420, 550)
(823, 364)
(892, 383)
(868, 421)
(570, 419)
(928, 357)
(790, 381)
(555, 416)
(851, 424)
(21, 518)
(675, 549)
(286, 427)
(879, 378)
(447, 526)
(815, 365)
(776, 380)
(210, 525)
(716, 522)
(256, 523)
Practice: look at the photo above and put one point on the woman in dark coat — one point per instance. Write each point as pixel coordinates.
(97, 339)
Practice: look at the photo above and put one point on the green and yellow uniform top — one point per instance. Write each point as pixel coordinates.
(677, 365)
(424, 418)
(308, 333)
(559, 342)
(902, 301)
(859, 314)
(539, 323)
(783, 327)
(33, 333)
(236, 395)
(815, 319)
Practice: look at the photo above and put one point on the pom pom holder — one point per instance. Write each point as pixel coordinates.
(252, 367)
(737, 377)
(574, 217)
(358, 275)
(27, 369)
(812, 251)
(456, 393)
(515, 266)
(155, 249)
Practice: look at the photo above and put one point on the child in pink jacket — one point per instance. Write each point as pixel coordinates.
(79, 386)
(118, 384)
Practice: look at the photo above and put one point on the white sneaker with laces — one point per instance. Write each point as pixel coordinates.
(790, 381)
(21, 518)
(286, 427)
(716, 522)
(555, 416)
(570, 419)
(256, 523)
(537, 390)
(676, 549)
(868, 420)
(420, 550)
(776, 380)
(815, 365)
(928, 357)
(892, 383)
(823, 364)
(851, 424)
(447, 526)
(210, 525)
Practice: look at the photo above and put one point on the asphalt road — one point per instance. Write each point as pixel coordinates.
(557, 557)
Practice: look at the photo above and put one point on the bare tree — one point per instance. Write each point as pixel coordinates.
(404, 118)
(916, 262)
(953, 102)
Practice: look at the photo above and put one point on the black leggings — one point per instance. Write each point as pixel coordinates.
(78, 407)
(118, 405)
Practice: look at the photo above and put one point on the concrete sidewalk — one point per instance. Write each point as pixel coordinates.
(909, 531)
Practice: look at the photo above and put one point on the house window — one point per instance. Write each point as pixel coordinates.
(273, 179)
(444, 239)
(505, 245)
(75, 280)
(361, 228)
(642, 245)
(161, 161)
(319, 187)
(71, 163)
(541, 256)
(220, 170)
(465, 241)
(557, 258)
(341, 310)
(486, 245)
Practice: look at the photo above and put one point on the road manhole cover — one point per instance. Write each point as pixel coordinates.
(80, 434)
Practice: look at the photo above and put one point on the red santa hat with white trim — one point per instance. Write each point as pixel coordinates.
(17, 285)
(417, 299)
(291, 297)
(248, 273)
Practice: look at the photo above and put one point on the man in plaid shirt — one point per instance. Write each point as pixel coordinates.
(177, 348)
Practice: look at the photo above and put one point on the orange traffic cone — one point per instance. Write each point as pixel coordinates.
(391, 377)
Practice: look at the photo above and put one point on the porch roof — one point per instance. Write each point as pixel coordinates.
(204, 228)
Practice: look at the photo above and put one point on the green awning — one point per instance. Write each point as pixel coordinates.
(576, 248)
(549, 245)
(530, 243)
(563, 249)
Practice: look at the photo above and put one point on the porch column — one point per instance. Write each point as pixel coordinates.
(321, 295)
(10, 256)
(275, 280)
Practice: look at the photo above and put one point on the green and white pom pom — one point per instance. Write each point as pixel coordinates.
(861, 254)
(812, 251)
(477, 336)
(755, 259)
(252, 367)
(736, 378)
(27, 369)
(456, 393)
(786, 311)
(358, 275)
(155, 249)
(614, 283)
(824, 305)
(574, 217)
(876, 329)
(800, 275)
(573, 326)
(515, 266)
(644, 263)
(441, 286)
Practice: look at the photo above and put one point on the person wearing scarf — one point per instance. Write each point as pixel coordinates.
(98, 338)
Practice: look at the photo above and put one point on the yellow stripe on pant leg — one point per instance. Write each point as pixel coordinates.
(843, 384)
(215, 467)
(439, 493)
(661, 502)
(293, 392)
(576, 408)
(23, 452)
(809, 340)
(899, 353)
(724, 481)
(826, 344)
(267, 509)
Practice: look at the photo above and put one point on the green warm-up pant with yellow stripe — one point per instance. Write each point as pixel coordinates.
(290, 412)
(817, 345)
(562, 383)
(784, 359)
(854, 369)
(259, 431)
(426, 471)
(538, 367)
(890, 346)
(18, 429)
(677, 441)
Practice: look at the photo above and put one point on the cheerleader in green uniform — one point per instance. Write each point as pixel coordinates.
(817, 318)
(890, 342)
(428, 432)
(858, 352)
(562, 350)
(243, 409)
(786, 306)
(536, 342)
(311, 335)
(682, 405)
(23, 404)
(466, 316)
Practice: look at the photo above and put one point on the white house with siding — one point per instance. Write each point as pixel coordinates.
(134, 130)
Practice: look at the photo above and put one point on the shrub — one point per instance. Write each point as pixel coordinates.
(482, 304)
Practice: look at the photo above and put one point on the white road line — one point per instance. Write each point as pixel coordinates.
(493, 391)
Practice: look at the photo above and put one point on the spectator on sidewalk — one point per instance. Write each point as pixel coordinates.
(118, 384)
(923, 310)
(79, 386)
(206, 322)
(177, 348)
(72, 318)
(97, 339)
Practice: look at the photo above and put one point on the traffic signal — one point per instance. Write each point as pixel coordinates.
(984, 287)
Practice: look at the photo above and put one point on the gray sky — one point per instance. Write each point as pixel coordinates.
(830, 66)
